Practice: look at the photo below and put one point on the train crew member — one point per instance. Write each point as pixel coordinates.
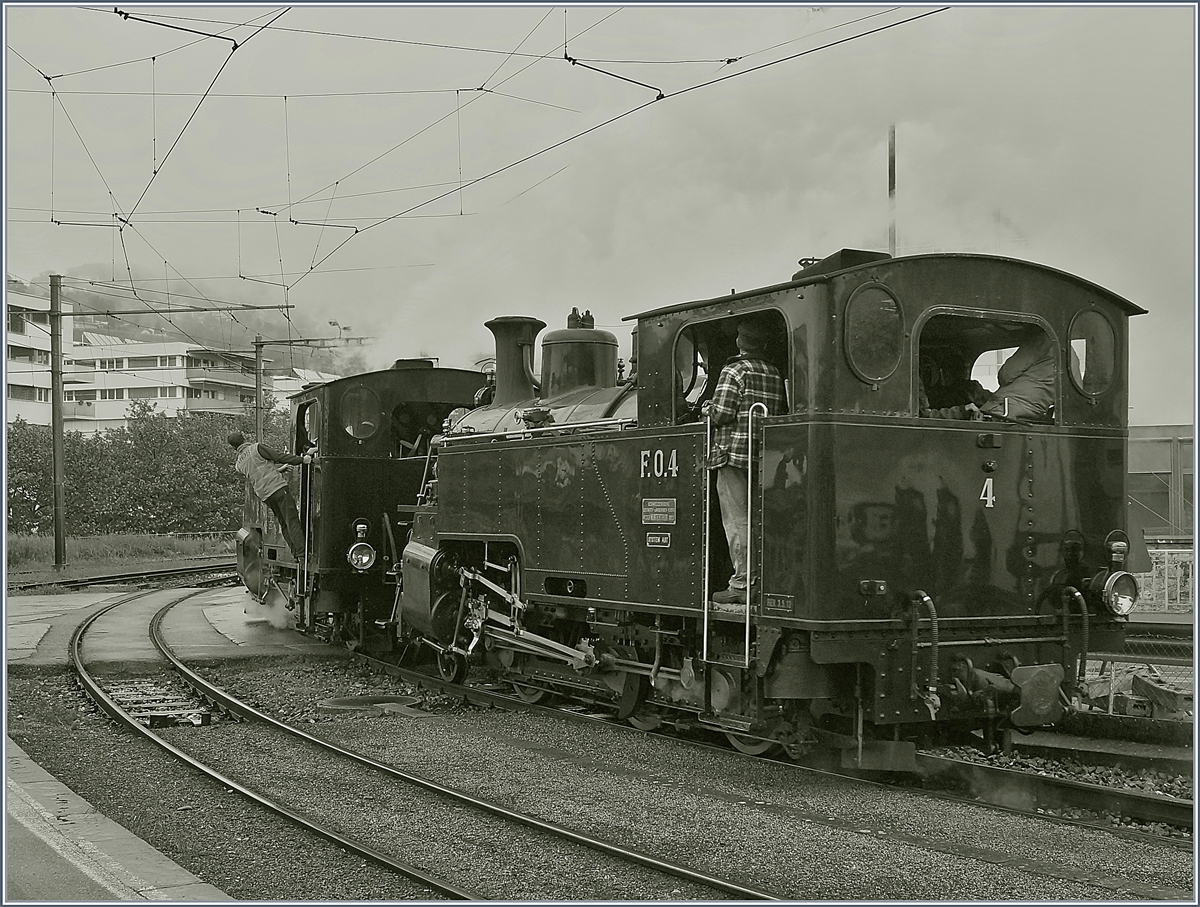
(1026, 378)
(747, 378)
(256, 462)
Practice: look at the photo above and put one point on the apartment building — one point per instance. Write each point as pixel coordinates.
(27, 355)
(1161, 480)
(174, 375)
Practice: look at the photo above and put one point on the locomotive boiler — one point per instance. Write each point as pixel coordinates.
(915, 572)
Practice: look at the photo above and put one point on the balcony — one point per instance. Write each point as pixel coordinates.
(78, 374)
(202, 405)
(231, 377)
(79, 410)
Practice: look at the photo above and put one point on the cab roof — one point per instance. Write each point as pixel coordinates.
(848, 260)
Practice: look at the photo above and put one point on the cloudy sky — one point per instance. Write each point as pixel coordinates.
(413, 172)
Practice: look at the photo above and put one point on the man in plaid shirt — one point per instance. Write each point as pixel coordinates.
(745, 380)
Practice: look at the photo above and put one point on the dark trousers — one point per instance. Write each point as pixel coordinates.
(283, 505)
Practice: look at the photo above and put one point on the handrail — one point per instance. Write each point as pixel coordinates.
(757, 407)
(306, 491)
(705, 589)
(518, 433)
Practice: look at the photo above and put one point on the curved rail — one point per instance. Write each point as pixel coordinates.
(109, 705)
(164, 573)
(238, 707)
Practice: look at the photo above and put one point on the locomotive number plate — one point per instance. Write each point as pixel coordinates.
(658, 540)
(658, 511)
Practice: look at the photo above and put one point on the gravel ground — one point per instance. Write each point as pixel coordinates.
(1144, 780)
(441, 836)
(803, 835)
(212, 832)
(800, 834)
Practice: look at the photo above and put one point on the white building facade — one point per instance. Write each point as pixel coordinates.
(173, 375)
(27, 356)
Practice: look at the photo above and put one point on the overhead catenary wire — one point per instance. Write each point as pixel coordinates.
(85, 308)
(199, 104)
(620, 116)
(498, 51)
(162, 53)
(411, 210)
(443, 118)
(508, 57)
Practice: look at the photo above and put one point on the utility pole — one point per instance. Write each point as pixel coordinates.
(56, 422)
(316, 343)
(892, 191)
(258, 388)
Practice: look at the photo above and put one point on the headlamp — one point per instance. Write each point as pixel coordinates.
(1117, 589)
(361, 556)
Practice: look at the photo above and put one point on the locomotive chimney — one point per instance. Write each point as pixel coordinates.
(514, 335)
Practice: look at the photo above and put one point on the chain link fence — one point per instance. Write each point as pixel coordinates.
(1153, 677)
(1167, 587)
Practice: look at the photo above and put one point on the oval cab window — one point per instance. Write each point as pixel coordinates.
(361, 412)
(1093, 353)
(874, 333)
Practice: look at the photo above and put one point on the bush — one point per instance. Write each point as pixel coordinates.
(160, 474)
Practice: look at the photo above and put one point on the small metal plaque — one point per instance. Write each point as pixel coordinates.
(658, 511)
(783, 604)
(658, 540)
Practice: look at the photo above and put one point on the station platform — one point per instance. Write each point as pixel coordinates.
(58, 847)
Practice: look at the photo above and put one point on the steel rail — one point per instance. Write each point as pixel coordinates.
(1130, 803)
(1058, 793)
(159, 573)
(110, 706)
(224, 699)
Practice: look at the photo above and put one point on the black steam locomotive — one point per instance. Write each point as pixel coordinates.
(911, 572)
(372, 434)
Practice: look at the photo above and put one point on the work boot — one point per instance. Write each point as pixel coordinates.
(730, 597)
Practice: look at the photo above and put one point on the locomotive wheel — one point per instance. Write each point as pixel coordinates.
(452, 667)
(751, 746)
(645, 721)
(532, 695)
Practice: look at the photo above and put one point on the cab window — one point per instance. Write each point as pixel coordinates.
(1092, 343)
(361, 412)
(306, 428)
(986, 367)
(703, 348)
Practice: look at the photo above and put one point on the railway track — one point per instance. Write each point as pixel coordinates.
(698, 884)
(1001, 788)
(223, 571)
(1042, 793)
(127, 718)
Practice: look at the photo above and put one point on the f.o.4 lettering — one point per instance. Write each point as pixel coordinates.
(659, 464)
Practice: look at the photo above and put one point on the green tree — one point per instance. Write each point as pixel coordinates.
(30, 478)
(158, 474)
